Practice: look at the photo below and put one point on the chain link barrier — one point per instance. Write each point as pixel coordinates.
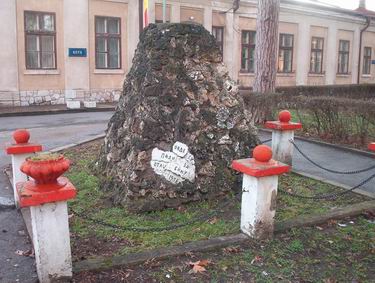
(265, 141)
(199, 219)
(328, 196)
(327, 169)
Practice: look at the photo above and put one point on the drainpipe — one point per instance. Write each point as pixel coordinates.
(236, 5)
(360, 49)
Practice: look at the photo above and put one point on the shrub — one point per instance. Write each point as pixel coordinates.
(333, 118)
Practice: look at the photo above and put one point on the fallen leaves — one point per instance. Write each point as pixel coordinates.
(256, 259)
(199, 266)
(233, 250)
(29, 253)
(213, 220)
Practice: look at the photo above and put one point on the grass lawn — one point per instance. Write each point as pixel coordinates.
(332, 253)
(350, 127)
(90, 239)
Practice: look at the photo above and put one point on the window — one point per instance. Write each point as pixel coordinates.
(248, 51)
(40, 40)
(218, 33)
(343, 63)
(316, 60)
(367, 61)
(285, 53)
(107, 43)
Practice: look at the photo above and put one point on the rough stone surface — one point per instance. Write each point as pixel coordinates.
(179, 123)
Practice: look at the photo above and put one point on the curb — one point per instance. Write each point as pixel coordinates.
(6, 203)
(344, 148)
(55, 112)
(56, 149)
(102, 263)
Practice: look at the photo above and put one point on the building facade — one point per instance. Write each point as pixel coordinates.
(54, 51)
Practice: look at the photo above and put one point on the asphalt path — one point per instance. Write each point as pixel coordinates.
(51, 131)
(332, 158)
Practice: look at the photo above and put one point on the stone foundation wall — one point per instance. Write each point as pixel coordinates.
(53, 97)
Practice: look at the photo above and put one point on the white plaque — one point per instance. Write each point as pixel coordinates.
(176, 166)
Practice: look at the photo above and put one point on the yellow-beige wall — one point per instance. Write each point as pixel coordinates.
(41, 79)
(73, 74)
(107, 78)
(322, 32)
(345, 35)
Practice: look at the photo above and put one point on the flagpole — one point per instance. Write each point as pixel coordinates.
(164, 10)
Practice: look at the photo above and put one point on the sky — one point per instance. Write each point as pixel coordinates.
(350, 4)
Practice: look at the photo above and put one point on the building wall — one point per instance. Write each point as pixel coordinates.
(345, 35)
(159, 13)
(322, 32)
(34, 80)
(284, 79)
(100, 78)
(368, 41)
(189, 14)
(78, 79)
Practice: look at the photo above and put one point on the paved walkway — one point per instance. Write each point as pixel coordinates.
(10, 111)
(332, 158)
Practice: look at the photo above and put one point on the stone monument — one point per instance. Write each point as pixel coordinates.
(178, 125)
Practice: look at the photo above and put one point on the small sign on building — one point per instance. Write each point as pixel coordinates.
(373, 62)
(77, 52)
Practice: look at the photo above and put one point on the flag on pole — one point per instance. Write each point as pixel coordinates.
(145, 13)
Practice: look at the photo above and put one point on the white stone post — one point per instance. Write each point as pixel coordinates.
(49, 226)
(51, 239)
(259, 191)
(282, 135)
(19, 151)
(175, 12)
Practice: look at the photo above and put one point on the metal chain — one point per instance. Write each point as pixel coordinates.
(328, 196)
(330, 170)
(265, 141)
(201, 218)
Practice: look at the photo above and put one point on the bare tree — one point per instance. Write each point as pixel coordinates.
(266, 45)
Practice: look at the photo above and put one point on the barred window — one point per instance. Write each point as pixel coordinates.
(316, 60)
(248, 51)
(343, 62)
(366, 61)
(285, 53)
(218, 33)
(107, 43)
(40, 40)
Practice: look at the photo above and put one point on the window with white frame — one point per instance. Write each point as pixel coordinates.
(40, 40)
(366, 70)
(343, 61)
(285, 61)
(107, 42)
(248, 51)
(316, 60)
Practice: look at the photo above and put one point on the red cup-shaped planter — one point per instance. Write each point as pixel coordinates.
(46, 168)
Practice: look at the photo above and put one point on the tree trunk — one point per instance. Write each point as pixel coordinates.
(266, 45)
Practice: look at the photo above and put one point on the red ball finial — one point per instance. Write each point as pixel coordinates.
(262, 153)
(285, 116)
(21, 136)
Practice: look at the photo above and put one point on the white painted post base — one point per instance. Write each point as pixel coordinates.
(258, 205)
(18, 176)
(51, 239)
(282, 148)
